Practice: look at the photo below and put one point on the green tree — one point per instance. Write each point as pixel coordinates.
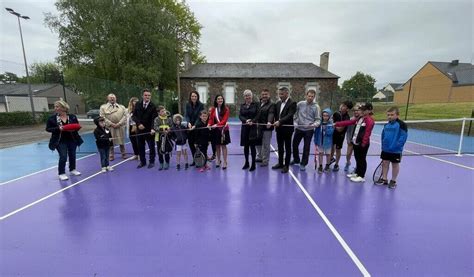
(360, 87)
(45, 73)
(122, 42)
(8, 78)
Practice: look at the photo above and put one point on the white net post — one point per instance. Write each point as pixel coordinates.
(461, 137)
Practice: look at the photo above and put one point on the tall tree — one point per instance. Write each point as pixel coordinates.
(45, 73)
(138, 43)
(360, 87)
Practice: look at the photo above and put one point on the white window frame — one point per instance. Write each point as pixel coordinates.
(315, 86)
(229, 99)
(203, 95)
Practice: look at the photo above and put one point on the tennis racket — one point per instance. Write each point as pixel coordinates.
(199, 158)
(377, 173)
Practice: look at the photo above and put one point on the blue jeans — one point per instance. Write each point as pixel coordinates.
(65, 149)
(104, 156)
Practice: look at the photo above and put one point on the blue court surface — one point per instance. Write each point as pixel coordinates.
(145, 222)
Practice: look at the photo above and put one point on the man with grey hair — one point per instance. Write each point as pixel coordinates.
(284, 112)
(115, 119)
(307, 117)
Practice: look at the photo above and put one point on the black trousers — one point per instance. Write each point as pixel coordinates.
(299, 135)
(360, 155)
(148, 139)
(284, 146)
(134, 141)
(191, 142)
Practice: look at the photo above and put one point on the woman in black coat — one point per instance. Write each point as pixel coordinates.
(191, 114)
(63, 140)
(249, 132)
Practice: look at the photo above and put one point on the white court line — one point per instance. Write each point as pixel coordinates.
(43, 170)
(57, 192)
(331, 227)
(433, 158)
(46, 169)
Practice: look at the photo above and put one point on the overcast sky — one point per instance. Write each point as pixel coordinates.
(390, 40)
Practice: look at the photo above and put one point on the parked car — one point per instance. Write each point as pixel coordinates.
(94, 113)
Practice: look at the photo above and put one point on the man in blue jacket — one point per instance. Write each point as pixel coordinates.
(394, 136)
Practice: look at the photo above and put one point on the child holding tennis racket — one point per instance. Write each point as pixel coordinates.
(202, 136)
(323, 140)
(162, 126)
(394, 136)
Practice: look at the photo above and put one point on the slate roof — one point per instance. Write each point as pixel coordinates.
(258, 70)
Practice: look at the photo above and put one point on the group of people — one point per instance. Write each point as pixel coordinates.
(292, 122)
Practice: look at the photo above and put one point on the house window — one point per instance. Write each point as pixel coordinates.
(314, 86)
(229, 93)
(203, 90)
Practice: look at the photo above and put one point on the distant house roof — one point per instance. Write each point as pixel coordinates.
(258, 70)
(22, 89)
(460, 73)
(379, 95)
(396, 86)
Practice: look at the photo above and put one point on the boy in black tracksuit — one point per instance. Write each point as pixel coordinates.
(202, 136)
(103, 140)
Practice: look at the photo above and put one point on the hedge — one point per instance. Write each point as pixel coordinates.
(22, 118)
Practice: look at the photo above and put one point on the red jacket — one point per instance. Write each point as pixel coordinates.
(365, 131)
(223, 119)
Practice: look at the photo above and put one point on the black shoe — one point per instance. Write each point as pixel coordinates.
(178, 167)
(284, 169)
(326, 168)
(320, 169)
(277, 166)
(186, 166)
(293, 162)
(335, 168)
(381, 181)
(252, 168)
(140, 165)
(258, 160)
(392, 184)
(151, 165)
(246, 165)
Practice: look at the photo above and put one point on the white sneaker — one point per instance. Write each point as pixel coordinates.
(75, 173)
(109, 168)
(63, 177)
(357, 179)
(351, 175)
(104, 169)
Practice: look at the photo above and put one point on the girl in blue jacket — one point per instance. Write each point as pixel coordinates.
(323, 141)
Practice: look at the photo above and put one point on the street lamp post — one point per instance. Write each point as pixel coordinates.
(24, 58)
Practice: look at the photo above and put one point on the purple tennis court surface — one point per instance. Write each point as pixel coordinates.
(136, 222)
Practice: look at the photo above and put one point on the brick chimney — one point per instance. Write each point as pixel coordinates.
(187, 61)
(324, 60)
(454, 62)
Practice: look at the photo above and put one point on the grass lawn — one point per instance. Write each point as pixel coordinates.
(431, 111)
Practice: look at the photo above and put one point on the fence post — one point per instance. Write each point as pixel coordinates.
(462, 135)
(470, 124)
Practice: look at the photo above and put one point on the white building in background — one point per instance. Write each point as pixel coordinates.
(22, 104)
(14, 97)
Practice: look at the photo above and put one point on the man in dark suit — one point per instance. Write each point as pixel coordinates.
(144, 116)
(265, 117)
(285, 109)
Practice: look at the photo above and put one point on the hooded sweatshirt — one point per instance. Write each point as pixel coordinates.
(323, 133)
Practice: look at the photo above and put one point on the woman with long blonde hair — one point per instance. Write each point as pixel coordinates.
(132, 127)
